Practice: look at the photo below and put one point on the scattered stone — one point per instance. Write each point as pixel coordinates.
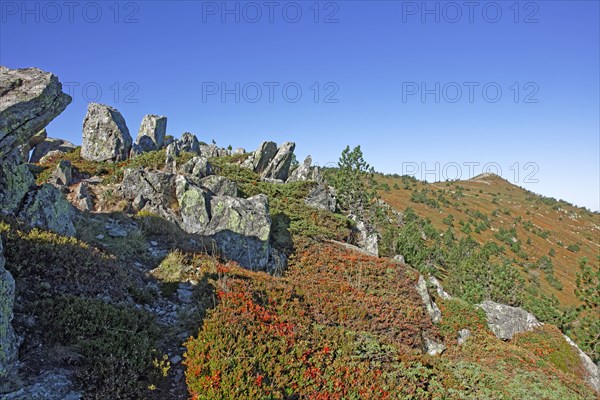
(47, 208)
(31, 98)
(99, 237)
(117, 232)
(154, 243)
(176, 360)
(42, 151)
(506, 321)
(279, 167)
(432, 347)
(154, 128)
(432, 308)
(50, 385)
(463, 336)
(399, 258)
(211, 150)
(105, 134)
(438, 288)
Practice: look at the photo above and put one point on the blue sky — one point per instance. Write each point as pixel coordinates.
(515, 84)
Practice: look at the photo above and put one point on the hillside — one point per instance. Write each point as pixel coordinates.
(167, 268)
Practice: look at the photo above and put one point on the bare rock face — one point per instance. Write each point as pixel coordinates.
(198, 167)
(303, 172)
(31, 98)
(50, 145)
(506, 321)
(321, 197)
(219, 186)
(8, 343)
(153, 127)
(279, 167)
(188, 142)
(15, 182)
(155, 188)
(105, 134)
(193, 205)
(261, 158)
(592, 371)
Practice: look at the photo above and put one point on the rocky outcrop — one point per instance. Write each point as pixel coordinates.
(592, 371)
(303, 172)
(365, 238)
(32, 142)
(51, 145)
(241, 229)
(506, 321)
(211, 150)
(432, 308)
(62, 174)
(261, 158)
(321, 197)
(279, 167)
(105, 134)
(15, 182)
(219, 186)
(188, 142)
(437, 286)
(198, 167)
(31, 98)
(49, 385)
(152, 132)
(152, 190)
(81, 197)
(47, 208)
(8, 342)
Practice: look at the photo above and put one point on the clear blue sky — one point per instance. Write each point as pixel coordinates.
(373, 57)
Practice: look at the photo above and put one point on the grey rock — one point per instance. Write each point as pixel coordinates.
(8, 341)
(15, 181)
(463, 336)
(432, 347)
(153, 127)
(32, 142)
(211, 150)
(592, 370)
(30, 99)
(193, 206)
(321, 197)
(198, 167)
(303, 172)
(438, 288)
(279, 167)
(399, 258)
(47, 208)
(117, 232)
(188, 142)
(144, 144)
(365, 238)
(105, 134)
(154, 187)
(239, 150)
(62, 174)
(261, 158)
(50, 385)
(432, 308)
(506, 321)
(219, 186)
(58, 146)
(170, 159)
(241, 229)
(82, 199)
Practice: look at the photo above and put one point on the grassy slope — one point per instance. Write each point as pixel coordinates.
(566, 223)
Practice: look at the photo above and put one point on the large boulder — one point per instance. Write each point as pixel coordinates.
(50, 145)
(198, 167)
(153, 127)
(188, 142)
(155, 188)
(193, 205)
(212, 150)
(303, 172)
(366, 238)
(241, 229)
(506, 321)
(432, 308)
(47, 208)
(219, 186)
(105, 134)
(15, 182)
(32, 142)
(30, 99)
(279, 167)
(321, 197)
(261, 157)
(8, 342)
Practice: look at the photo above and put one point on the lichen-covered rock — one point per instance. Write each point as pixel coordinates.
(30, 99)
(506, 321)
(51, 145)
(211, 150)
(366, 239)
(279, 167)
(219, 186)
(321, 197)
(438, 288)
(188, 142)
(144, 144)
(241, 229)
(15, 181)
(432, 308)
(198, 167)
(303, 172)
(592, 371)
(62, 174)
(153, 127)
(261, 158)
(193, 206)
(32, 142)
(81, 197)
(47, 208)
(105, 134)
(8, 343)
(154, 187)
